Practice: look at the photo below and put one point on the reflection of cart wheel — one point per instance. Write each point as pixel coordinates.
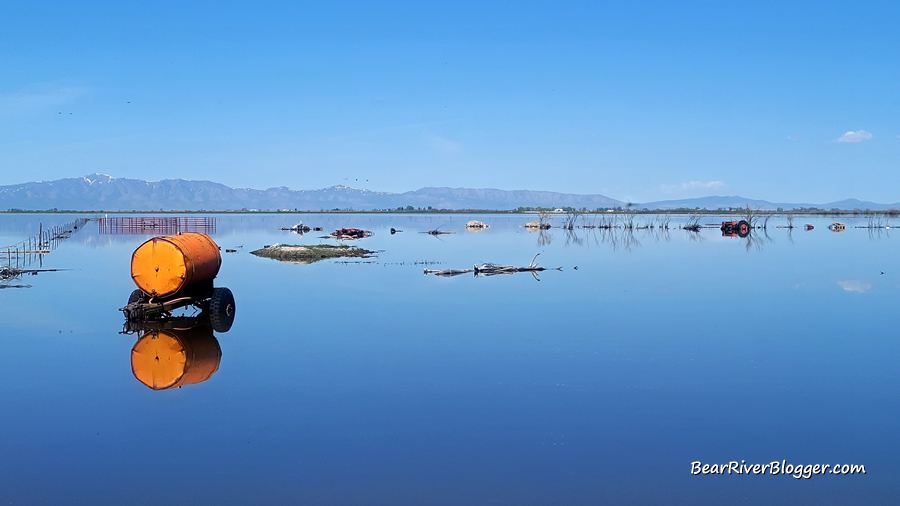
(221, 309)
(743, 228)
(135, 296)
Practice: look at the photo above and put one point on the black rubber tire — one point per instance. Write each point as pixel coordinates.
(743, 232)
(221, 309)
(135, 296)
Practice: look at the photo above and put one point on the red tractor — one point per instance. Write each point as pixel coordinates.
(735, 228)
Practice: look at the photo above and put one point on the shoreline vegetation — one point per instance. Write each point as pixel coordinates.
(520, 211)
(307, 254)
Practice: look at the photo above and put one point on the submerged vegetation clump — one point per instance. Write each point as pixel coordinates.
(310, 253)
(693, 224)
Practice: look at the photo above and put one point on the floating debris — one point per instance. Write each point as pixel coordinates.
(9, 274)
(308, 254)
(350, 233)
(4, 285)
(448, 273)
(536, 225)
(438, 231)
(693, 224)
(416, 262)
(490, 269)
(476, 226)
(837, 227)
(394, 231)
(12, 272)
(300, 228)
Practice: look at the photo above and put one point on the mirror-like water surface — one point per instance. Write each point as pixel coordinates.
(364, 381)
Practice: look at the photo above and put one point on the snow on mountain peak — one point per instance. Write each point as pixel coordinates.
(98, 177)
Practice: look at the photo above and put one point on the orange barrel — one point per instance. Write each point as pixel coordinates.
(164, 266)
(164, 359)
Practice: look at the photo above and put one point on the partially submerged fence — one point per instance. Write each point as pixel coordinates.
(156, 225)
(25, 253)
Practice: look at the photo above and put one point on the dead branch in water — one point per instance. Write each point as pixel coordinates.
(628, 216)
(9, 274)
(544, 219)
(12, 272)
(751, 215)
(490, 269)
(448, 273)
(570, 219)
(693, 224)
(438, 231)
(343, 234)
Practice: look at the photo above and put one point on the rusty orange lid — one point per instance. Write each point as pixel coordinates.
(158, 266)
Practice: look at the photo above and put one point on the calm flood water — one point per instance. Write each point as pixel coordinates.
(367, 382)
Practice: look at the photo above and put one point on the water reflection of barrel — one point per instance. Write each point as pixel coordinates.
(172, 358)
(164, 266)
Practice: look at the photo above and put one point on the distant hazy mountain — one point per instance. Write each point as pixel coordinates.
(102, 192)
(716, 202)
(859, 204)
(489, 198)
(97, 192)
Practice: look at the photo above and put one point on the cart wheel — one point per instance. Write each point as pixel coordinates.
(135, 296)
(221, 309)
(743, 228)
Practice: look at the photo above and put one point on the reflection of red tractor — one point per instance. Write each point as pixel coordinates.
(735, 228)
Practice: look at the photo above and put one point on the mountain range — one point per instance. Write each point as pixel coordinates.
(100, 192)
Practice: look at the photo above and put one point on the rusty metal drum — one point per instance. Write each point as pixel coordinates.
(165, 266)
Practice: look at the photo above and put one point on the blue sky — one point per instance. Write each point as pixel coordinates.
(639, 101)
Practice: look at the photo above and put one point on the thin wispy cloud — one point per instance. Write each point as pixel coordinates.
(855, 136)
(374, 132)
(692, 185)
(443, 145)
(38, 99)
(855, 286)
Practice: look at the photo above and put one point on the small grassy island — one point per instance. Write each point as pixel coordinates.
(310, 253)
